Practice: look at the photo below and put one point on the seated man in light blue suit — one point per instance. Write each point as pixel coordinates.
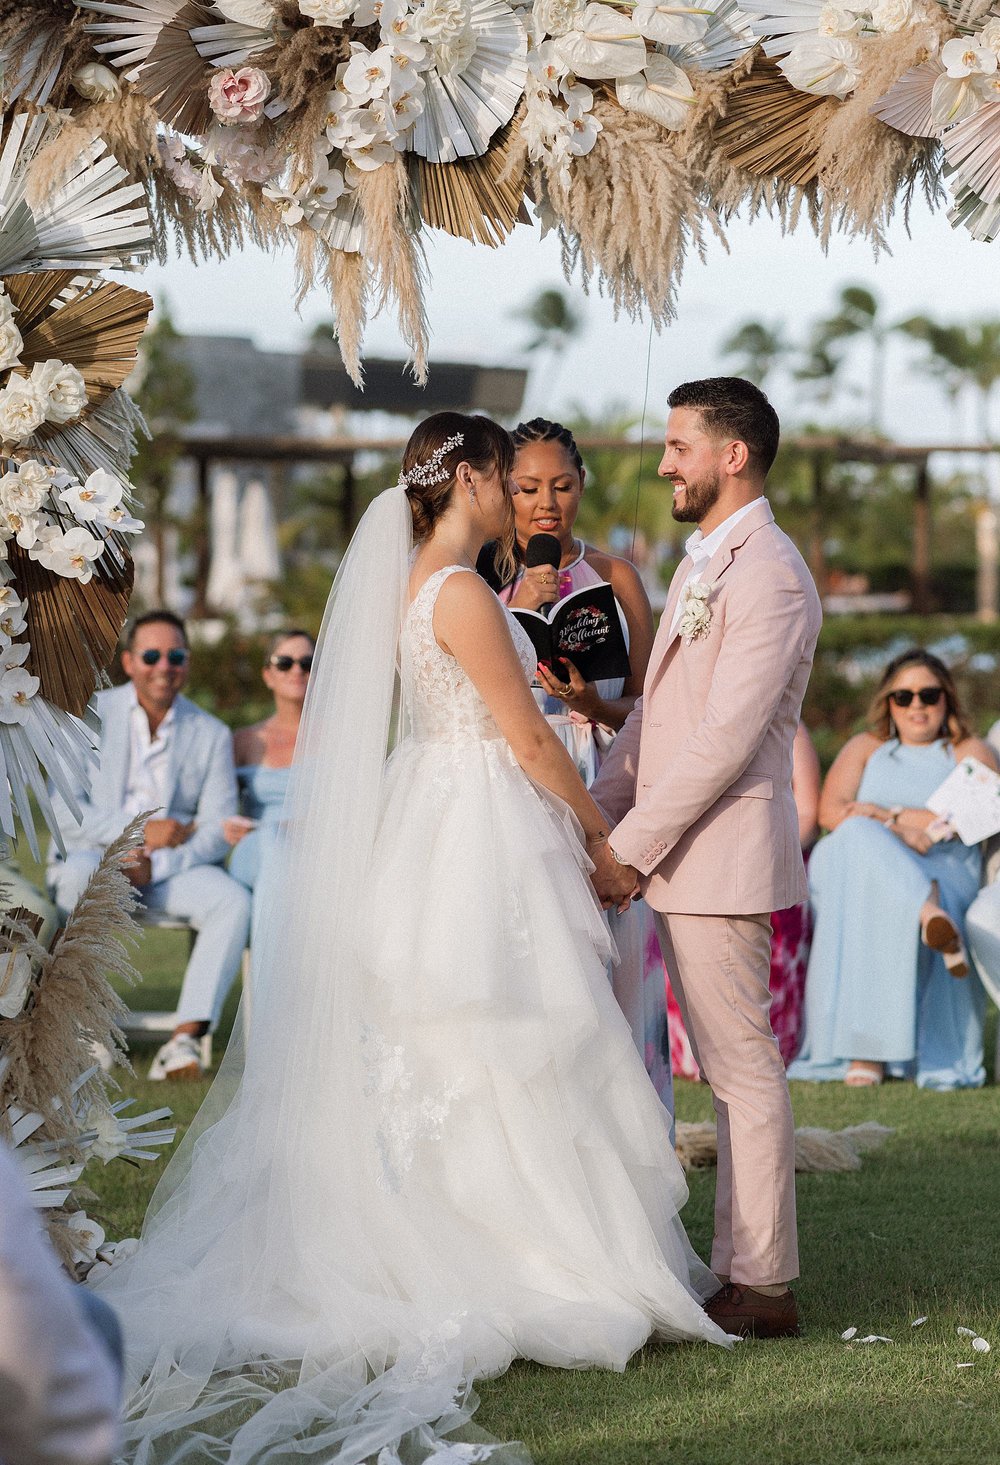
(158, 751)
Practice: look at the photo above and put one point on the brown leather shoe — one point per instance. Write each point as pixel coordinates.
(750, 1314)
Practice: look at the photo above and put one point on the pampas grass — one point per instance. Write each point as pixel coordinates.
(816, 1150)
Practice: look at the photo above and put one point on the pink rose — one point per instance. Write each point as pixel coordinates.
(238, 96)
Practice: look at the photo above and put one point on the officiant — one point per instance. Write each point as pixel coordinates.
(550, 477)
(889, 987)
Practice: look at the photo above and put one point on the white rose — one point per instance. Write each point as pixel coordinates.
(7, 311)
(327, 12)
(10, 345)
(22, 410)
(989, 36)
(826, 66)
(833, 21)
(893, 15)
(62, 388)
(556, 17)
(442, 20)
(96, 83)
(452, 56)
(23, 493)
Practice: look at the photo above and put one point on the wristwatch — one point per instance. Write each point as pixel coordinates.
(617, 857)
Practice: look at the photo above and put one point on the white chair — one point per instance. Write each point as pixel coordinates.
(161, 1024)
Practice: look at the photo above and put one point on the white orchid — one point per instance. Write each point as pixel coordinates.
(826, 66)
(368, 73)
(122, 522)
(11, 345)
(22, 410)
(379, 12)
(62, 389)
(12, 612)
(661, 91)
(289, 203)
(111, 1139)
(87, 1237)
(368, 147)
(13, 655)
(15, 967)
(547, 65)
(326, 186)
(25, 528)
(91, 502)
(70, 554)
(670, 25)
(964, 56)
(603, 45)
(17, 687)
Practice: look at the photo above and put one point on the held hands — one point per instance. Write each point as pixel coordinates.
(139, 868)
(166, 833)
(236, 828)
(616, 885)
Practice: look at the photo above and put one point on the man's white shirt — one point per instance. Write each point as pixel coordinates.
(701, 547)
(148, 772)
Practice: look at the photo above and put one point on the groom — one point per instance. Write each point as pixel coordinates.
(698, 784)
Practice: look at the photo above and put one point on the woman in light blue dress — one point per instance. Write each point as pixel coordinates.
(263, 756)
(889, 987)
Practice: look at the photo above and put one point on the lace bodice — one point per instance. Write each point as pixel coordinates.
(443, 703)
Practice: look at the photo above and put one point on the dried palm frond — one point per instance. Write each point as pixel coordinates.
(230, 44)
(906, 106)
(91, 218)
(174, 76)
(729, 37)
(972, 151)
(981, 219)
(767, 129)
(476, 198)
(73, 629)
(133, 29)
(50, 740)
(105, 438)
(816, 1150)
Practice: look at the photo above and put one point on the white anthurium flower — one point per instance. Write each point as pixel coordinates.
(671, 25)
(368, 73)
(836, 20)
(87, 1237)
(11, 344)
(70, 554)
(825, 66)
(604, 45)
(327, 12)
(556, 17)
(15, 968)
(62, 388)
(96, 83)
(22, 409)
(91, 501)
(954, 98)
(547, 66)
(661, 91)
(964, 56)
(17, 687)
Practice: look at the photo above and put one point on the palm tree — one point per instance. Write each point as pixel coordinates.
(759, 349)
(553, 322)
(857, 317)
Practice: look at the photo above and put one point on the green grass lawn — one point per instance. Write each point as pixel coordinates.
(912, 1234)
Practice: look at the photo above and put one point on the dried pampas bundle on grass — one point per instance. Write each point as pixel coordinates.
(74, 1008)
(816, 1150)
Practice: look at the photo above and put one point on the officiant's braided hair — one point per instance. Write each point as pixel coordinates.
(439, 444)
(955, 724)
(541, 430)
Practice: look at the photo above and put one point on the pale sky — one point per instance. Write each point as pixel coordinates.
(938, 271)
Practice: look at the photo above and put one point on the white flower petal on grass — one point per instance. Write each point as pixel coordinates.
(671, 25)
(980, 1345)
(824, 66)
(848, 1334)
(661, 91)
(965, 1332)
(918, 1322)
(965, 1365)
(874, 1338)
(604, 44)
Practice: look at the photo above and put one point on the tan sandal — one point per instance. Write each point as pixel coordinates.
(864, 1075)
(940, 933)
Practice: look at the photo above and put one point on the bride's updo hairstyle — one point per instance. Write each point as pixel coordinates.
(431, 461)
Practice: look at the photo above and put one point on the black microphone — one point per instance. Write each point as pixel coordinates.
(543, 549)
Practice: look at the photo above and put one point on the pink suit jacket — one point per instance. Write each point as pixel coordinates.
(699, 781)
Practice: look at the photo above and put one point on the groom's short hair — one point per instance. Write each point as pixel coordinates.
(732, 407)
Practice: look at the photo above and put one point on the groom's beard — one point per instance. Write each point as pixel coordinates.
(699, 497)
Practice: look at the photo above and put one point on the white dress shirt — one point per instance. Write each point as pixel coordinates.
(58, 1387)
(701, 547)
(146, 782)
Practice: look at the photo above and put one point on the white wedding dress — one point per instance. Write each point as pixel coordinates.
(444, 1152)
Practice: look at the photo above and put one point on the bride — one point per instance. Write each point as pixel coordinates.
(440, 1151)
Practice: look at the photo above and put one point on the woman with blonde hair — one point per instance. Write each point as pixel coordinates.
(889, 984)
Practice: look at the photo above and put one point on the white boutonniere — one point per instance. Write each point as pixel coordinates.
(696, 613)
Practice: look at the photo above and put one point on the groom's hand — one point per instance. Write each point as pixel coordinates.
(616, 885)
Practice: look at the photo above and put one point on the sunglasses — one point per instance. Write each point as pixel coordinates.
(176, 656)
(285, 663)
(929, 696)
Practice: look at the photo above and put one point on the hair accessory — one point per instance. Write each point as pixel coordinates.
(424, 475)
